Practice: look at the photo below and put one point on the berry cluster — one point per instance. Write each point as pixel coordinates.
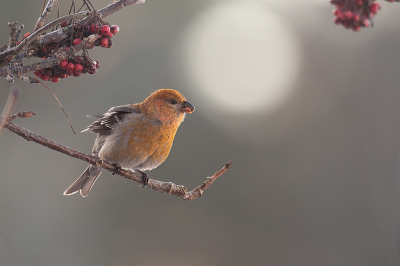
(77, 65)
(74, 67)
(354, 14)
(106, 32)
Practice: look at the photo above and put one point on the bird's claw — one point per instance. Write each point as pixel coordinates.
(117, 168)
(145, 178)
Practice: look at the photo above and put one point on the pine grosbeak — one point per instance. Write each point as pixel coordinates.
(135, 136)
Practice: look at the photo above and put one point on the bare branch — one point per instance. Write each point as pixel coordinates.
(13, 31)
(29, 79)
(165, 187)
(114, 7)
(22, 114)
(3, 48)
(44, 14)
(9, 78)
(117, 5)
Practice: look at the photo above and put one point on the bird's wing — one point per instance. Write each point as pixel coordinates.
(107, 122)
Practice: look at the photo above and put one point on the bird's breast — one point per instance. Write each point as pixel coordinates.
(141, 146)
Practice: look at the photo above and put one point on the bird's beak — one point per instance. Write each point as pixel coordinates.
(187, 107)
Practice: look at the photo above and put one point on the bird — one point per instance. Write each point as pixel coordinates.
(136, 137)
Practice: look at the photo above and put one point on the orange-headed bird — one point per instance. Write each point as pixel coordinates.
(135, 136)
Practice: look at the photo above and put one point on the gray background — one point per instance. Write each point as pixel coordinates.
(315, 178)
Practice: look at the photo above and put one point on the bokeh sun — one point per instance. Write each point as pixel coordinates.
(240, 56)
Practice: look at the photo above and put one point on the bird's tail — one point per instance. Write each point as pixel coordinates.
(85, 182)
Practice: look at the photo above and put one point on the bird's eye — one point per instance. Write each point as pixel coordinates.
(174, 102)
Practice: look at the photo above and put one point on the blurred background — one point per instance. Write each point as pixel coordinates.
(307, 111)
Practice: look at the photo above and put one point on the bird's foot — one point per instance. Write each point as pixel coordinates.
(117, 168)
(145, 178)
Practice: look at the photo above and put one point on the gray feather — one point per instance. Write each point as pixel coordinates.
(85, 182)
(105, 123)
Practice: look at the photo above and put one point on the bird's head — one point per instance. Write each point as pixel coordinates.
(166, 105)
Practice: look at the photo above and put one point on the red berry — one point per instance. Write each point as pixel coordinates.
(88, 63)
(374, 8)
(348, 14)
(92, 71)
(104, 30)
(78, 68)
(64, 24)
(56, 70)
(114, 29)
(62, 75)
(110, 35)
(77, 41)
(336, 21)
(94, 28)
(18, 42)
(337, 12)
(78, 59)
(54, 78)
(70, 67)
(77, 25)
(38, 74)
(48, 72)
(63, 64)
(46, 78)
(27, 35)
(76, 74)
(104, 42)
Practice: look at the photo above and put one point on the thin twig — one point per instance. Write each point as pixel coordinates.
(44, 14)
(62, 108)
(23, 114)
(44, 5)
(166, 187)
(15, 91)
(114, 7)
(3, 48)
(13, 33)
